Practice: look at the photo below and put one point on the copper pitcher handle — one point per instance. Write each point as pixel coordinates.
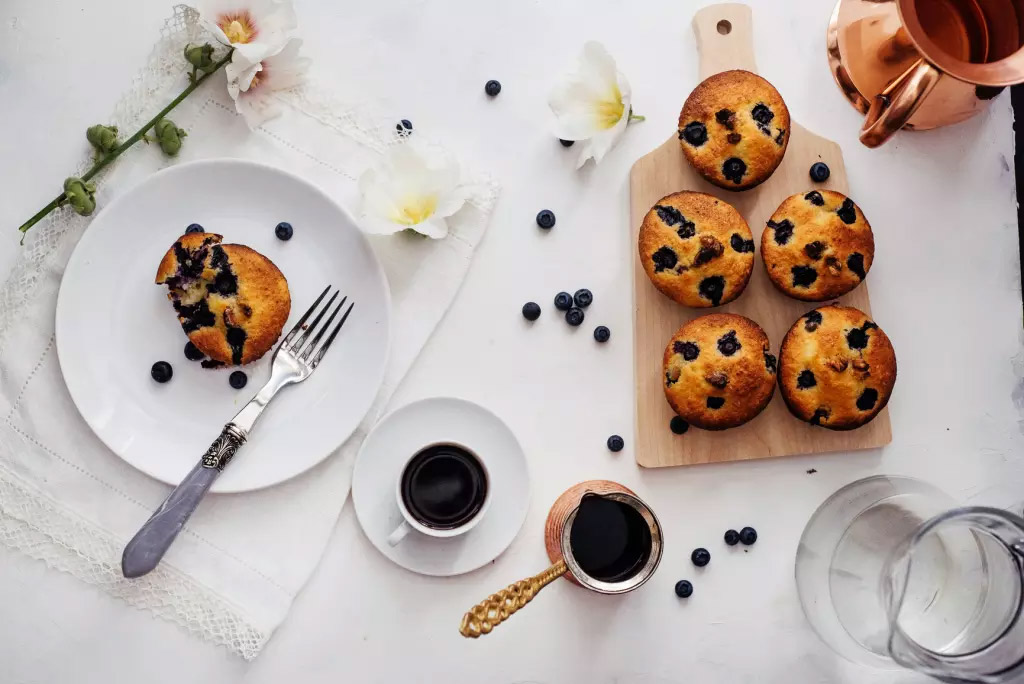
(496, 608)
(892, 108)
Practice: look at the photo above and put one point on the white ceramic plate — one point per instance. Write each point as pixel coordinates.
(113, 323)
(393, 442)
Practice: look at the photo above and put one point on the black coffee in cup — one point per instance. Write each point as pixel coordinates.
(444, 486)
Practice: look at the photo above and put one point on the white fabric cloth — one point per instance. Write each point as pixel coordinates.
(68, 501)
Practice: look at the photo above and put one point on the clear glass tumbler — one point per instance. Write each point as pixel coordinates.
(891, 573)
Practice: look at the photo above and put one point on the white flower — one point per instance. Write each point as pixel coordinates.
(252, 88)
(254, 28)
(414, 187)
(592, 104)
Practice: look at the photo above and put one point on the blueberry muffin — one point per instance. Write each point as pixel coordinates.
(718, 371)
(696, 249)
(231, 301)
(734, 129)
(817, 246)
(836, 368)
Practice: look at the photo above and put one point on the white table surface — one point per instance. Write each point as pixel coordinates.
(945, 285)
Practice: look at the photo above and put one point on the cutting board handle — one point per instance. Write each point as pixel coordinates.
(725, 38)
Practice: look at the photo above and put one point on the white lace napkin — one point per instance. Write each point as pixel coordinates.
(66, 500)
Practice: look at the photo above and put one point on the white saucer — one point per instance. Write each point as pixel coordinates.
(401, 434)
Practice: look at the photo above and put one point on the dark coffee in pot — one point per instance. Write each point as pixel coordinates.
(609, 539)
(444, 486)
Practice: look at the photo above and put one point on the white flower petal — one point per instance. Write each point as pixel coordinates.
(434, 227)
(257, 108)
(590, 99)
(252, 88)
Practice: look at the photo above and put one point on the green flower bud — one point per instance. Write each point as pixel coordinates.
(80, 195)
(200, 56)
(103, 138)
(169, 136)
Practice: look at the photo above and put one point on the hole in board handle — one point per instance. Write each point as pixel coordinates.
(725, 27)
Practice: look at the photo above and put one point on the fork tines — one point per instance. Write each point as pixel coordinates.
(311, 353)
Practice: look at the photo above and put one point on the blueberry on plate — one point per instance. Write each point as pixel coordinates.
(283, 231)
(546, 219)
(566, 143)
(602, 334)
(820, 172)
(583, 298)
(161, 371)
(574, 316)
(700, 557)
(615, 443)
(732, 537)
(748, 535)
(563, 301)
(684, 589)
(192, 352)
(678, 425)
(531, 311)
(238, 379)
(194, 228)
(492, 88)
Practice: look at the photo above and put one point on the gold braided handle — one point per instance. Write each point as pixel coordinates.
(496, 608)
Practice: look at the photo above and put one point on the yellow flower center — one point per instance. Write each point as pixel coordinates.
(610, 111)
(415, 209)
(238, 27)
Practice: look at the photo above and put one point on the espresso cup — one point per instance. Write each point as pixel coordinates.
(443, 491)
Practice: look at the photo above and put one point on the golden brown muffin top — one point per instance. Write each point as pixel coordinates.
(719, 372)
(734, 129)
(837, 368)
(817, 246)
(696, 249)
(231, 301)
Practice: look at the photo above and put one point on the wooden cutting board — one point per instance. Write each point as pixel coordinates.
(725, 41)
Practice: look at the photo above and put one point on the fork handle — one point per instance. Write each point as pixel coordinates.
(150, 543)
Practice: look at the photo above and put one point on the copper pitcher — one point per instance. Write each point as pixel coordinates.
(920, 64)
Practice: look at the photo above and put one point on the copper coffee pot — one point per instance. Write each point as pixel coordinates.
(920, 64)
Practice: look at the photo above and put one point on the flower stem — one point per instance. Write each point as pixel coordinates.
(116, 152)
(635, 117)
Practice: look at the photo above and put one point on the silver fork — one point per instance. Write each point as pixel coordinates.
(295, 359)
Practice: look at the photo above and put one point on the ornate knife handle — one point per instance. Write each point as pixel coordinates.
(150, 543)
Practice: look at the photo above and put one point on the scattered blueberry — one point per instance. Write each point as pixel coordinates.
(492, 88)
(678, 425)
(695, 133)
(615, 443)
(563, 301)
(531, 311)
(192, 352)
(684, 589)
(283, 231)
(583, 298)
(574, 316)
(566, 143)
(732, 537)
(404, 127)
(238, 379)
(194, 228)
(820, 172)
(748, 535)
(546, 219)
(602, 334)
(161, 371)
(715, 403)
(700, 557)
